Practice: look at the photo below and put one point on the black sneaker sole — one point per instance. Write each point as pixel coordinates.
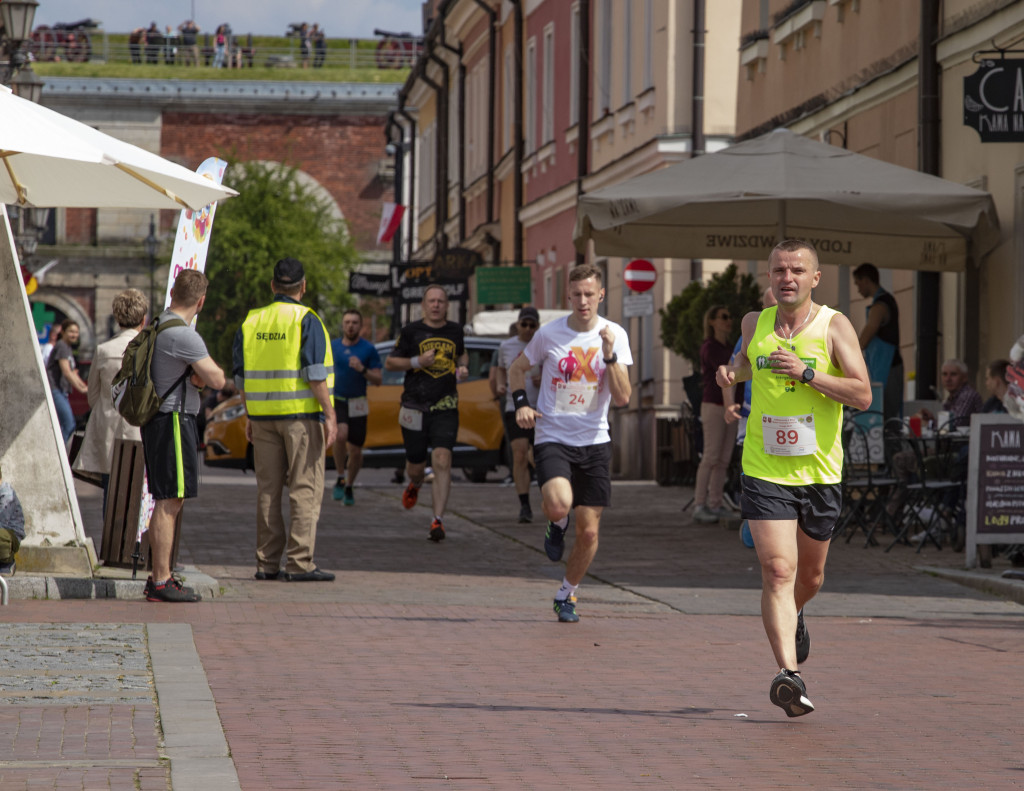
(554, 550)
(790, 696)
(803, 647)
(436, 534)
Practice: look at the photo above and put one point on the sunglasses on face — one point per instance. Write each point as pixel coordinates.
(528, 325)
(725, 316)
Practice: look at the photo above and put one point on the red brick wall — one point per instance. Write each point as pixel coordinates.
(80, 226)
(340, 152)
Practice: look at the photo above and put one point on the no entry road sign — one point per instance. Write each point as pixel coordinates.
(640, 275)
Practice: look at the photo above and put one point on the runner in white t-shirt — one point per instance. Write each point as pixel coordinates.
(583, 360)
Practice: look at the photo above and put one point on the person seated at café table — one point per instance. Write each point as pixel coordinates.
(961, 402)
(997, 386)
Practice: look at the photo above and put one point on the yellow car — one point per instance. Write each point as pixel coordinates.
(480, 445)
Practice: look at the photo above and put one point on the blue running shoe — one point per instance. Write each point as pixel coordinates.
(339, 489)
(554, 541)
(349, 498)
(566, 609)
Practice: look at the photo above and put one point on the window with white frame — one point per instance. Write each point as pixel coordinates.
(530, 105)
(574, 66)
(604, 84)
(507, 98)
(547, 133)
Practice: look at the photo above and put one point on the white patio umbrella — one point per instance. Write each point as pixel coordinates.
(52, 160)
(49, 160)
(737, 203)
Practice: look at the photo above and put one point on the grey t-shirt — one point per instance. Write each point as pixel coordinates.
(176, 349)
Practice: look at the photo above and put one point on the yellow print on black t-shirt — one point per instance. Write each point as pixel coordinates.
(444, 356)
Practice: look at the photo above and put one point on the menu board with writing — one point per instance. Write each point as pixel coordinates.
(995, 483)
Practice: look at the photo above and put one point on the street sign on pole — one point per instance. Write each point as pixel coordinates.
(640, 275)
(637, 305)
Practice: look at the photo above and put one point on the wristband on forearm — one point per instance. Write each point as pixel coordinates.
(414, 362)
(519, 399)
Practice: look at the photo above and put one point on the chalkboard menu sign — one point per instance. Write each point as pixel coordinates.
(995, 483)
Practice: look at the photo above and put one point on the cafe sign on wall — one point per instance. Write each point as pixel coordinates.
(994, 100)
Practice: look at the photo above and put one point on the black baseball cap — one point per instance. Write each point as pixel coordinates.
(289, 272)
(529, 313)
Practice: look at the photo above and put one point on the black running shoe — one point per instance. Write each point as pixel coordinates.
(525, 514)
(566, 609)
(803, 639)
(436, 533)
(554, 541)
(171, 591)
(789, 693)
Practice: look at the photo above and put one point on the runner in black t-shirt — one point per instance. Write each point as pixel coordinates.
(432, 353)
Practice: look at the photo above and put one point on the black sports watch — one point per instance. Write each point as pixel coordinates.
(613, 359)
(807, 375)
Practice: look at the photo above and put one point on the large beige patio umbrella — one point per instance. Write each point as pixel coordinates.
(47, 159)
(737, 203)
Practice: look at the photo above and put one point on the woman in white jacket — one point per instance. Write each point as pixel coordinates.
(105, 422)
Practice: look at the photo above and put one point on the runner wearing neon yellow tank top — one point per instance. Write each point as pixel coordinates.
(805, 363)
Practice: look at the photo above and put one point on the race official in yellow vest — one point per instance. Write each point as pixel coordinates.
(283, 366)
(804, 362)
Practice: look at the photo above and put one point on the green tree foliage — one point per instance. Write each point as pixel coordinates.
(274, 217)
(682, 320)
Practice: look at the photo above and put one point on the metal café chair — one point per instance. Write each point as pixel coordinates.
(866, 483)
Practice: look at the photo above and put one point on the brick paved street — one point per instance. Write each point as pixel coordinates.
(441, 666)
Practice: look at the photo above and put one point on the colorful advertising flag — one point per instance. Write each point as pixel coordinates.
(191, 244)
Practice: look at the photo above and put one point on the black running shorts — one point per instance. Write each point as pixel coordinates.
(356, 425)
(514, 431)
(170, 443)
(440, 430)
(588, 470)
(815, 507)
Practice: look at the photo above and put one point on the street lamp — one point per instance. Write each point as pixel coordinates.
(29, 225)
(16, 17)
(151, 243)
(27, 84)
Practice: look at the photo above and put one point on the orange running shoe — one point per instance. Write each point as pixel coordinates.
(412, 491)
(436, 531)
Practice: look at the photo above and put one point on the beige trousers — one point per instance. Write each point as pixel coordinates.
(719, 441)
(287, 453)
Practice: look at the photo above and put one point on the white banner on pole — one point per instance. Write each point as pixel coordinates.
(191, 244)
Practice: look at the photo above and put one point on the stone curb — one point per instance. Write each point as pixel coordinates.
(31, 586)
(1009, 589)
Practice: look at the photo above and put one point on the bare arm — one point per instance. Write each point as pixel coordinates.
(72, 376)
(878, 315)
(424, 360)
(208, 373)
(739, 370)
(853, 387)
(374, 376)
(500, 381)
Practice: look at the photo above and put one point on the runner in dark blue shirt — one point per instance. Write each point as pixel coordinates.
(356, 362)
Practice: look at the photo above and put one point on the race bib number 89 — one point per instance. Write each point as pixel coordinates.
(789, 436)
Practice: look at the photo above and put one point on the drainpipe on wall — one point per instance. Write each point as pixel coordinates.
(698, 78)
(583, 108)
(928, 137)
(697, 107)
(441, 210)
(492, 74)
(517, 134)
(407, 240)
(457, 51)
